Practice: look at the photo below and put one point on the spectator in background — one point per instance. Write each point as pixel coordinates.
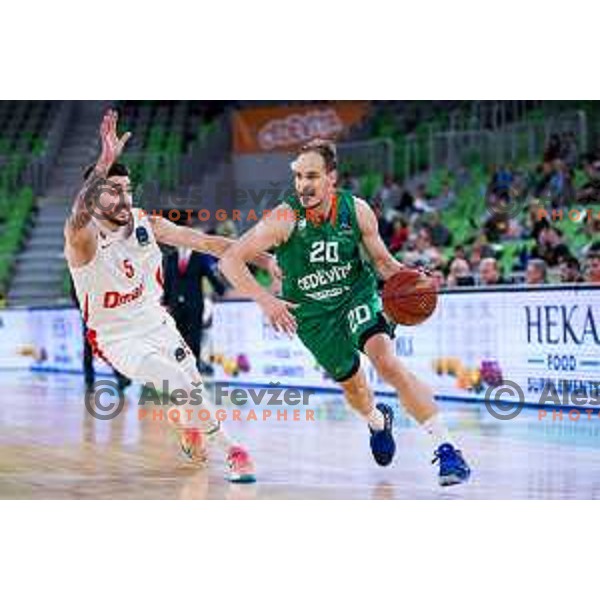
(559, 188)
(350, 183)
(399, 235)
(390, 192)
(463, 177)
(550, 246)
(385, 227)
(496, 226)
(440, 234)
(553, 149)
(593, 246)
(480, 250)
(537, 272)
(569, 153)
(570, 270)
(500, 182)
(489, 274)
(428, 255)
(446, 197)
(514, 230)
(184, 274)
(406, 203)
(227, 229)
(460, 252)
(459, 274)
(589, 192)
(592, 267)
(542, 181)
(501, 225)
(475, 258)
(536, 218)
(437, 278)
(421, 203)
(591, 226)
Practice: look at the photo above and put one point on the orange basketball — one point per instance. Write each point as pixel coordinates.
(409, 297)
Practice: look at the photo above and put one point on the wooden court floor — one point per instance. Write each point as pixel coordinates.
(51, 448)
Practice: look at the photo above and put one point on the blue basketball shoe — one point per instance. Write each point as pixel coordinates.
(453, 467)
(383, 445)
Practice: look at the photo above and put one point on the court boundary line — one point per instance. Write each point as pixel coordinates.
(252, 384)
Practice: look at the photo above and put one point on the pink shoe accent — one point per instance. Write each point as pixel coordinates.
(240, 468)
(192, 445)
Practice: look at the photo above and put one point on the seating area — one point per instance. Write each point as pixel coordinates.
(167, 133)
(163, 132)
(24, 127)
(15, 219)
(410, 123)
(472, 230)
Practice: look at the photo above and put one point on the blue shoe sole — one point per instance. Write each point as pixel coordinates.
(453, 479)
(242, 479)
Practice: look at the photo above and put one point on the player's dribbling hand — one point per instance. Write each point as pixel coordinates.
(279, 315)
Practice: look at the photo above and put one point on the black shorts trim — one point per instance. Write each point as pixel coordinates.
(382, 326)
(352, 372)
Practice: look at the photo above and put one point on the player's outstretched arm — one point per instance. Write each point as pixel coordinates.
(270, 232)
(171, 234)
(179, 235)
(385, 264)
(80, 240)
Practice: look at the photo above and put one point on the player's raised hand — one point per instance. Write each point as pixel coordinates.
(279, 315)
(112, 145)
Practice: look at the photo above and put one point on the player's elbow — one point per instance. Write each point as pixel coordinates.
(226, 262)
(233, 261)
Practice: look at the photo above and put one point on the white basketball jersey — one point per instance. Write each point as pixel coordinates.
(120, 290)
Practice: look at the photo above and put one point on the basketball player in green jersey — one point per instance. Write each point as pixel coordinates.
(330, 299)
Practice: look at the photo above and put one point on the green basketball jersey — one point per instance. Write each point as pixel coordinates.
(321, 262)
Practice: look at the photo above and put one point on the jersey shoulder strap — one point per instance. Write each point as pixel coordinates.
(347, 217)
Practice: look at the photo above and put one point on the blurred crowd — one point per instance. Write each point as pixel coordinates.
(412, 222)
(516, 212)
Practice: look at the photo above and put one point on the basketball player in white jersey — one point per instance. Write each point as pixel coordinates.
(112, 253)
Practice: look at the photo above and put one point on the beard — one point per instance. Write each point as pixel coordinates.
(119, 221)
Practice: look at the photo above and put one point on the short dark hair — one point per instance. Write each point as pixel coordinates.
(324, 148)
(116, 170)
(592, 255)
(540, 265)
(594, 248)
(572, 262)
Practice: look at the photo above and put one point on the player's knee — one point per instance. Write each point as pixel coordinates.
(389, 368)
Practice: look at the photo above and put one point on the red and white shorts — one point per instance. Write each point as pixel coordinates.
(155, 356)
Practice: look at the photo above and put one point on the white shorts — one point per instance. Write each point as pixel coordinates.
(158, 356)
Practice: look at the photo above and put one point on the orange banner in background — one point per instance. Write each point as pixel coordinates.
(287, 127)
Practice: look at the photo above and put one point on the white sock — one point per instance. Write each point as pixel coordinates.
(437, 430)
(215, 434)
(375, 419)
